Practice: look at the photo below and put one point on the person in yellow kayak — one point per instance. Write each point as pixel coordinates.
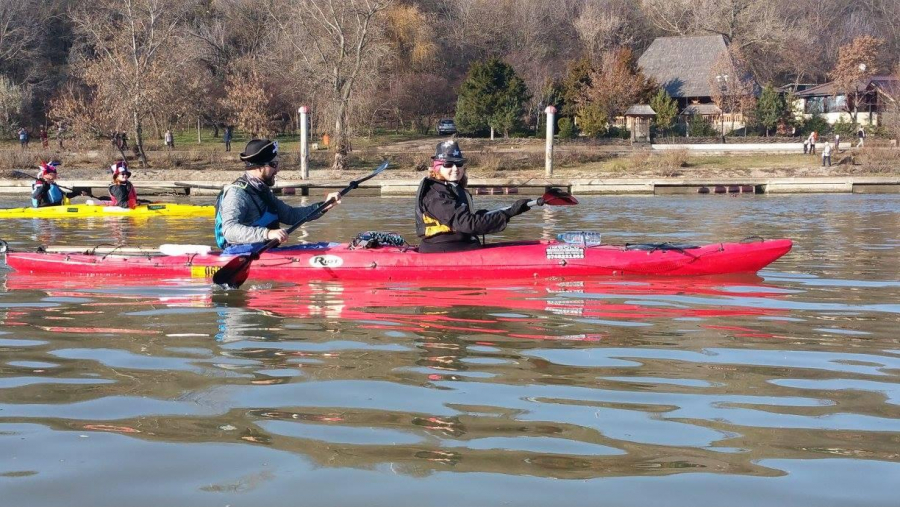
(45, 191)
(121, 191)
(446, 220)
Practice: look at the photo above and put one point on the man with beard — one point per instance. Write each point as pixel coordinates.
(247, 212)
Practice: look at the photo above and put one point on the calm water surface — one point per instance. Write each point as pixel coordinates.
(776, 389)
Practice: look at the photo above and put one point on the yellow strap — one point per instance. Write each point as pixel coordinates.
(433, 227)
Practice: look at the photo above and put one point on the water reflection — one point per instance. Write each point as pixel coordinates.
(779, 389)
(552, 378)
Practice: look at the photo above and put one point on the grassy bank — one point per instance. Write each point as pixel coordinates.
(410, 156)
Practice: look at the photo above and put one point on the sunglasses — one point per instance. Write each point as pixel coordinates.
(448, 165)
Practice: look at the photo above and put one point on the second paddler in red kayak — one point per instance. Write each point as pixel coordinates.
(446, 220)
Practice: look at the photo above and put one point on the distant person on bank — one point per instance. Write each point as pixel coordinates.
(826, 155)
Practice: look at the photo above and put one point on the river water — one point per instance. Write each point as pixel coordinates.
(776, 389)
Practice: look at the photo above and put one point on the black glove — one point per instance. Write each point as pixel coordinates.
(518, 207)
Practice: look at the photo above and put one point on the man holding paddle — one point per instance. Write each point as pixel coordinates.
(248, 213)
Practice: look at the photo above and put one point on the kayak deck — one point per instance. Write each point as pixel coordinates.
(333, 261)
(91, 210)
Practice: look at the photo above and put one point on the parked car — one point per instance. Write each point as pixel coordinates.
(446, 127)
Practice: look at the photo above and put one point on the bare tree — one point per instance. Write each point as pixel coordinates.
(126, 57)
(731, 83)
(338, 40)
(18, 30)
(617, 83)
(857, 62)
(604, 24)
(248, 102)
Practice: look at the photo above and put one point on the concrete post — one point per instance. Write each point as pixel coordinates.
(548, 157)
(304, 142)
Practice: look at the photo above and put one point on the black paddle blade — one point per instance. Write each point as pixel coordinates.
(557, 197)
(233, 274)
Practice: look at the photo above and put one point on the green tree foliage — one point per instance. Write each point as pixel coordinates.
(491, 96)
(566, 128)
(593, 120)
(699, 126)
(845, 129)
(770, 109)
(815, 123)
(666, 109)
(577, 80)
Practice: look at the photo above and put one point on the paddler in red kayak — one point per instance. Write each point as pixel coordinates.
(446, 220)
(45, 191)
(247, 212)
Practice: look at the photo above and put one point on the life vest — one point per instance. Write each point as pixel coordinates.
(426, 225)
(55, 196)
(268, 215)
(132, 196)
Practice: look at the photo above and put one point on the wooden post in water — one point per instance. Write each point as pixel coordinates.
(304, 142)
(548, 157)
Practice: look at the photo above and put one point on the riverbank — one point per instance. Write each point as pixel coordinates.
(609, 166)
(526, 186)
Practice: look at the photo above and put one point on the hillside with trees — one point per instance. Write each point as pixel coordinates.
(142, 66)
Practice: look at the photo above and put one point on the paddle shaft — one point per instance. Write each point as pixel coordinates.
(272, 243)
(26, 175)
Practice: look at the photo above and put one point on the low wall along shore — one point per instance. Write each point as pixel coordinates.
(854, 185)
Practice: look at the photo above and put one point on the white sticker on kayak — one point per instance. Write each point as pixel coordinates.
(326, 261)
(563, 251)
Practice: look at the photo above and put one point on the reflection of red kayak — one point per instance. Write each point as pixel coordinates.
(527, 259)
(488, 307)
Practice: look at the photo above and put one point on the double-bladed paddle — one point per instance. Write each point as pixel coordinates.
(22, 174)
(552, 197)
(235, 273)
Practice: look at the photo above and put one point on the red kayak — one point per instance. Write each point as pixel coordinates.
(332, 261)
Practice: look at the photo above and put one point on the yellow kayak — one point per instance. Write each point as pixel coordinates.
(89, 210)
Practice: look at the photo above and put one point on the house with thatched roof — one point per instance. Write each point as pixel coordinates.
(685, 68)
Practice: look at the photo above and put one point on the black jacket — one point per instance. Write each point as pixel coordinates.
(445, 220)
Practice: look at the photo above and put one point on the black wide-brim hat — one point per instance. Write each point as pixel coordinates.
(448, 151)
(259, 152)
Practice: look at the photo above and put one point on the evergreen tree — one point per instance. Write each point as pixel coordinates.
(576, 81)
(666, 109)
(492, 96)
(770, 108)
